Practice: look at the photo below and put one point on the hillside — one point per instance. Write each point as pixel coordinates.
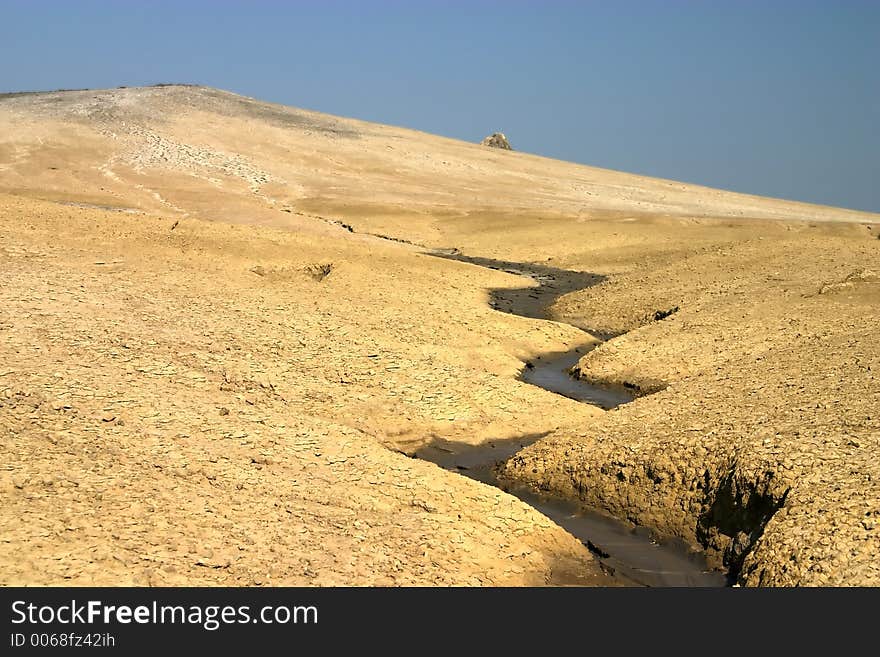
(224, 334)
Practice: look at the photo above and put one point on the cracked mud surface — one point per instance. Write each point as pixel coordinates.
(183, 402)
(761, 443)
(161, 428)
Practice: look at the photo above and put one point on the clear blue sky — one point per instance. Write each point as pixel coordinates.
(773, 97)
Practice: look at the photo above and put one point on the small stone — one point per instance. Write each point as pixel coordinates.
(497, 140)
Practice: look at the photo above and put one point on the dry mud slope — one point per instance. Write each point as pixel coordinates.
(212, 367)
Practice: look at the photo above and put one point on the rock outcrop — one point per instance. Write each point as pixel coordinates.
(497, 140)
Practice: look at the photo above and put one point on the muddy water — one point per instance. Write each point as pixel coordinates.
(633, 555)
(552, 372)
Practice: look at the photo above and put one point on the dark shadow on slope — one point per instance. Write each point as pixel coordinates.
(737, 512)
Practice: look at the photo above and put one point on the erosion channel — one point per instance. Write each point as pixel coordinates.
(631, 555)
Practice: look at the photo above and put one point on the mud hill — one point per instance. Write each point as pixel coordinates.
(223, 335)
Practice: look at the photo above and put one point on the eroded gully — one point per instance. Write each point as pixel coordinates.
(631, 555)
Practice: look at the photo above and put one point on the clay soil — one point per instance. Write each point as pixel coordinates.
(223, 336)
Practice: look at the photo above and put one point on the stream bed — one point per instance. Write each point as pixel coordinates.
(552, 372)
(632, 555)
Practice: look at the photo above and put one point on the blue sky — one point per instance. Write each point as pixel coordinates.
(780, 98)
